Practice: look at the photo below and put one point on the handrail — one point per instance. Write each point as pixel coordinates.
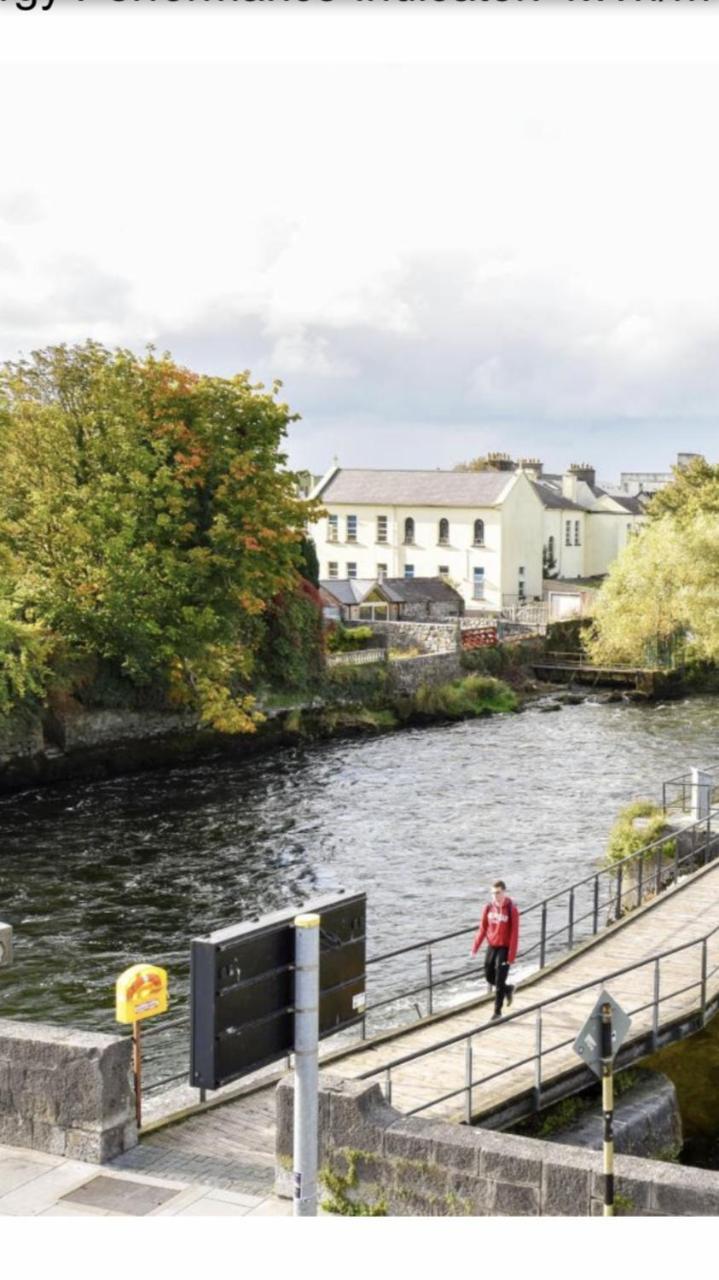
(461, 1036)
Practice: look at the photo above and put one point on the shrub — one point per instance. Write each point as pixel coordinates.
(346, 639)
(625, 839)
(474, 695)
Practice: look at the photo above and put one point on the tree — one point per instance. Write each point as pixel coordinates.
(146, 517)
(693, 491)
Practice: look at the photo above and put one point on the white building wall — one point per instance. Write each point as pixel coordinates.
(426, 554)
(522, 541)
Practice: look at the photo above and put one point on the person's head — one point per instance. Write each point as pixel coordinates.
(499, 892)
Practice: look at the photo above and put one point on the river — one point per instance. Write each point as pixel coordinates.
(96, 876)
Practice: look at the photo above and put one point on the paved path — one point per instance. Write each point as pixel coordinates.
(33, 1184)
(234, 1143)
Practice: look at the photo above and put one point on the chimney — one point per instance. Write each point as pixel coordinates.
(532, 466)
(500, 462)
(584, 471)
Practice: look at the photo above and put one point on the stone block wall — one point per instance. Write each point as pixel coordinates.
(374, 1157)
(65, 1091)
(407, 674)
(429, 637)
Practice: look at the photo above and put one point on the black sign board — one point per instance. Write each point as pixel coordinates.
(242, 987)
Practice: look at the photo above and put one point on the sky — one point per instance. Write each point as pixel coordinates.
(447, 230)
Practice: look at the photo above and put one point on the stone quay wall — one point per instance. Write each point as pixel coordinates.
(374, 1157)
(408, 674)
(430, 637)
(65, 1091)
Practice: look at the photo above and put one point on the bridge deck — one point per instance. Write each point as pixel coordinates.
(245, 1127)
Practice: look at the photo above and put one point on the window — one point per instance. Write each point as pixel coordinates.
(520, 590)
(443, 571)
(381, 572)
(332, 569)
(550, 548)
(577, 540)
(478, 583)
(568, 533)
(352, 569)
(409, 530)
(332, 528)
(370, 612)
(521, 570)
(381, 528)
(351, 528)
(444, 532)
(409, 571)
(479, 533)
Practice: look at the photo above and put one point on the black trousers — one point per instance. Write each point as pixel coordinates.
(496, 969)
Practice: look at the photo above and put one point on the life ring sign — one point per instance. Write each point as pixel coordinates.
(140, 992)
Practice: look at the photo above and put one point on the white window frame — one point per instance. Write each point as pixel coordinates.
(382, 572)
(478, 581)
(382, 529)
(351, 568)
(333, 569)
(409, 575)
(352, 524)
(577, 531)
(333, 528)
(567, 533)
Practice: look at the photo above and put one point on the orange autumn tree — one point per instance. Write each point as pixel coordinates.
(146, 520)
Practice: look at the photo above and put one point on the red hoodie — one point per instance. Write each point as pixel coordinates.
(500, 926)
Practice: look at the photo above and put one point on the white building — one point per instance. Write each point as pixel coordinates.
(491, 533)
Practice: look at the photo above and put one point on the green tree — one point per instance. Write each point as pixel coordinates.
(147, 518)
(693, 491)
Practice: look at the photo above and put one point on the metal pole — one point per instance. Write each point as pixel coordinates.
(570, 923)
(468, 1078)
(704, 979)
(655, 1006)
(305, 1144)
(543, 939)
(429, 983)
(640, 886)
(538, 1060)
(137, 1070)
(595, 906)
(608, 1109)
(618, 905)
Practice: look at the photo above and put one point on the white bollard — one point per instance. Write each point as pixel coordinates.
(305, 1136)
(701, 788)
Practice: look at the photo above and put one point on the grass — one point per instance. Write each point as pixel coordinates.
(473, 695)
(625, 839)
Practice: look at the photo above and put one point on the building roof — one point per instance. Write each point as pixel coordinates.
(420, 590)
(416, 488)
(554, 498)
(348, 590)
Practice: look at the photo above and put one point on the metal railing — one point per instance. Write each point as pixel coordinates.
(538, 1010)
(552, 925)
(557, 922)
(677, 792)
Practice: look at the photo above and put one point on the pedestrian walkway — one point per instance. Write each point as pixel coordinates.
(34, 1184)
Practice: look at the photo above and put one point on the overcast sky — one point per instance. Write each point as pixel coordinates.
(444, 236)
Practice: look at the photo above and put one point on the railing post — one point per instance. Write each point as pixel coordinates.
(640, 880)
(676, 861)
(468, 1077)
(388, 1086)
(595, 906)
(658, 872)
(664, 797)
(538, 1060)
(430, 1002)
(655, 1006)
(543, 938)
(570, 922)
(704, 979)
(618, 903)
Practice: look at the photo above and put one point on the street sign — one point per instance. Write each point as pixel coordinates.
(588, 1042)
(243, 988)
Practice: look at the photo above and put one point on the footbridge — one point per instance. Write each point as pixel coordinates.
(646, 928)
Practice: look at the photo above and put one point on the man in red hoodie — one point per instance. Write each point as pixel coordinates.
(500, 926)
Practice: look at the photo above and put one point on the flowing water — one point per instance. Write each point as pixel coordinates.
(97, 876)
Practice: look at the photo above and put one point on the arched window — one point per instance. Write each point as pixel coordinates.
(409, 529)
(443, 532)
(479, 533)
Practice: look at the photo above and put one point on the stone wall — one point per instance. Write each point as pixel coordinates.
(65, 1091)
(647, 1121)
(373, 1156)
(430, 637)
(407, 674)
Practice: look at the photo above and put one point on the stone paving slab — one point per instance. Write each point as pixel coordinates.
(34, 1184)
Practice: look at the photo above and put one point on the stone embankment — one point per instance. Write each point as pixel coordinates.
(375, 1160)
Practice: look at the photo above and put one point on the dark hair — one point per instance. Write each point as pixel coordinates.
(499, 884)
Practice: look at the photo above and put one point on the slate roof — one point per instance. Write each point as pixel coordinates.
(416, 488)
(553, 498)
(419, 590)
(348, 590)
